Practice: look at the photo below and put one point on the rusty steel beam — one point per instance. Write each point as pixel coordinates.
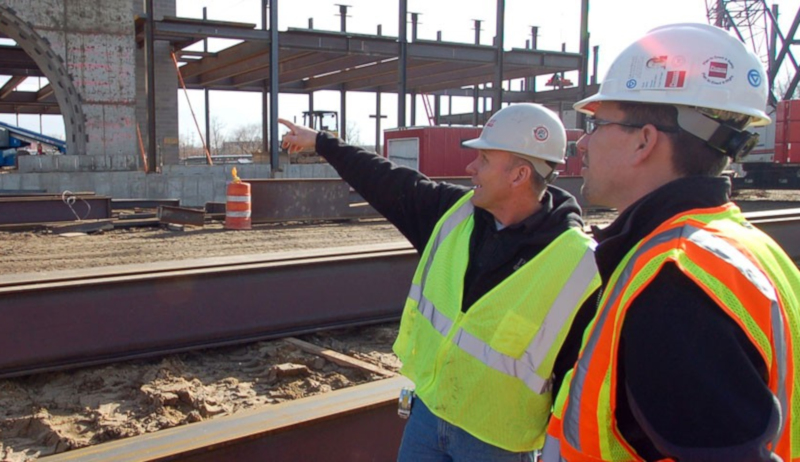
(356, 424)
(311, 199)
(46, 209)
(181, 215)
(118, 204)
(63, 319)
(11, 85)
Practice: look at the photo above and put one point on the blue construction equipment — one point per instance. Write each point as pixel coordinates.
(13, 138)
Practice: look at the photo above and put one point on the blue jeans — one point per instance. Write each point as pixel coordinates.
(428, 438)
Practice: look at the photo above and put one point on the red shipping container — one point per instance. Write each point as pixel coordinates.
(437, 151)
(791, 155)
(792, 110)
(780, 132)
(434, 151)
(791, 132)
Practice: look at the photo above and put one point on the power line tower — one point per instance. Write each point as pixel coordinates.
(756, 24)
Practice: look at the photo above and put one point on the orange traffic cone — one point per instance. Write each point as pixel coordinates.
(237, 207)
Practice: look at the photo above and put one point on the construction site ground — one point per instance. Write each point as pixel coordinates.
(53, 412)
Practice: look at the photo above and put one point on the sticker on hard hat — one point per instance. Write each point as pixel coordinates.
(718, 70)
(754, 77)
(662, 72)
(541, 133)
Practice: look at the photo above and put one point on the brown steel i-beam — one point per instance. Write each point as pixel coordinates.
(356, 424)
(46, 209)
(100, 315)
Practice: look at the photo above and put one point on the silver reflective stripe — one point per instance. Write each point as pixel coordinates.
(238, 198)
(725, 252)
(730, 254)
(440, 322)
(571, 418)
(525, 367)
(521, 369)
(238, 214)
(552, 450)
(463, 213)
(564, 305)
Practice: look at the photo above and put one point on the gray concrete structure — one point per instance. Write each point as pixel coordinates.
(117, 176)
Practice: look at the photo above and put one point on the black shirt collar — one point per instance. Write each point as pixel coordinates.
(646, 214)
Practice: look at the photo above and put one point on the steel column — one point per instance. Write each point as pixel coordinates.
(497, 83)
(584, 51)
(149, 85)
(274, 84)
(402, 63)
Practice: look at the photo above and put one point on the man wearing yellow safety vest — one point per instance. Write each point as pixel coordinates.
(504, 275)
(693, 353)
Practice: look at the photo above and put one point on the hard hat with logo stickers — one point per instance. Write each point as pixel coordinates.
(528, 130)
(687, 64)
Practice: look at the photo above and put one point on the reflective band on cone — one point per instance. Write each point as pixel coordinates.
(237, 208)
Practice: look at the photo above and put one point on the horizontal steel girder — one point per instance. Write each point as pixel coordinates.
(100, 315)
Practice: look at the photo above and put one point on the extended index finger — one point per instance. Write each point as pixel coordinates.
(288, 124)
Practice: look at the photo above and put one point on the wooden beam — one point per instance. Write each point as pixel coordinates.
(339, 358)
(11, 85)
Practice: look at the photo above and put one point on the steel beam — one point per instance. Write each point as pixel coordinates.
(93, 316)
(356, 424)
(11, 85)
(24, 210)
(276, 200)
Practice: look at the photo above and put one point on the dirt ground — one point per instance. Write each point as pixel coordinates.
(54, 412)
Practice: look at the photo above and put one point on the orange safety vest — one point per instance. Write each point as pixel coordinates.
(752, 280)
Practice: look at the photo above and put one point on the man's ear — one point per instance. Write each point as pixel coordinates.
(522, 175)
(647, 138)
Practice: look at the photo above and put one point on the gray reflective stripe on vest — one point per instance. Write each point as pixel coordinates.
(524, 368)
(723, 250)
(552, 450)
(463, 213)
(440, 322)
(728, 253)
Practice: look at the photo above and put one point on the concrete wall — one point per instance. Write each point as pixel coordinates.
(96, 41)
(116, 176)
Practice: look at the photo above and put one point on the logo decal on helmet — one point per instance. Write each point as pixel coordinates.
(657, 61)
(754, 77)
(541, 133)
(675, 79)
(719, 70)
(631, 83)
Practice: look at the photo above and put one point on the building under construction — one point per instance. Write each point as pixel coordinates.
(114, 71)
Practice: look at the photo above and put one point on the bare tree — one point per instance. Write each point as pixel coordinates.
(217, 141)
(353, 134)
(245, 139)
(187, 145)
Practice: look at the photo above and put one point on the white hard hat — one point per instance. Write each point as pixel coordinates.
(528, 130)
(687, 64)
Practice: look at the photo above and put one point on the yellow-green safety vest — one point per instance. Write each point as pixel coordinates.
(489, 370)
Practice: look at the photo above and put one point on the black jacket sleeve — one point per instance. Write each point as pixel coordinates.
(692, 380)
(408, 199)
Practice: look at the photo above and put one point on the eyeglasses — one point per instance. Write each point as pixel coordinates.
(592, 124)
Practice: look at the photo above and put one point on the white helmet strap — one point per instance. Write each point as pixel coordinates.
(722, 137)
(546, 169)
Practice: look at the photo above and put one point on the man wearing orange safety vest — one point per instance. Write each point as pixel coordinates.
(693, 353)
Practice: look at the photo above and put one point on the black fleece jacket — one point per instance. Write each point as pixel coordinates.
(414, 204)
(691, 385)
